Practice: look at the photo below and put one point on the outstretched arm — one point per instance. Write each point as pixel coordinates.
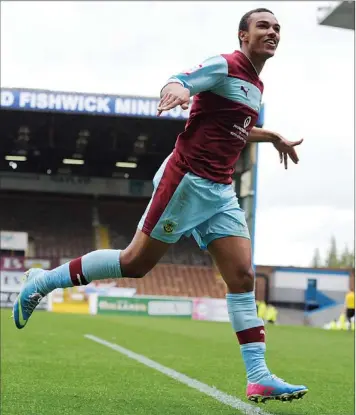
(180, 87)
(284, 147)
(260, 135)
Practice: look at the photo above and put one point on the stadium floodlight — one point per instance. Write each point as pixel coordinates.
(73, 161)
(126, 164)
(15, 158)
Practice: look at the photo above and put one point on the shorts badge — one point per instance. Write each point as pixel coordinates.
(169, 226)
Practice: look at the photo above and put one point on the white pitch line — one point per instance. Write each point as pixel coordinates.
(218, 395)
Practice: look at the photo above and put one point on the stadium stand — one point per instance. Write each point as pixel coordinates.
(58, 226)
(177, 280)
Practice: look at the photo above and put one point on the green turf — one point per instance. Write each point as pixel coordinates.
(49, 368)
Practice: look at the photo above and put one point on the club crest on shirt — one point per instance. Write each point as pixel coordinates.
(195, 68)
(169, 226)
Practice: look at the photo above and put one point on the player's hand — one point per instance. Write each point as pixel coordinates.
(173, 95)
(286, 150)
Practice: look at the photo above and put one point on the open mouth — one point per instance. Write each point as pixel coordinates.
(271, 42)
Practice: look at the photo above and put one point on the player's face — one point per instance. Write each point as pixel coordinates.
(263, 34)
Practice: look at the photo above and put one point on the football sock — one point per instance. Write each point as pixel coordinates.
(97, 265)
(250, 332)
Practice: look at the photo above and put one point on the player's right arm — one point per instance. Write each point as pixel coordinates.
(180, 87)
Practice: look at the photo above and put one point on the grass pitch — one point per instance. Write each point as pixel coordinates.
(50, 368)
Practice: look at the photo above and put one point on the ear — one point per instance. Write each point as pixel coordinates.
(243, 35)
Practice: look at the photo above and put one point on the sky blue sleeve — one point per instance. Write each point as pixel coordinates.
(203, 77)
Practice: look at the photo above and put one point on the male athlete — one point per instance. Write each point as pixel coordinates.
(193, 195)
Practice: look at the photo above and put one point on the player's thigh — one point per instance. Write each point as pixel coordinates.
(228, 240)
(141, 255)
(167, 217)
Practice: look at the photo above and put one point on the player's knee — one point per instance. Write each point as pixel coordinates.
(132, 267)
(243, 280)
(248, 278)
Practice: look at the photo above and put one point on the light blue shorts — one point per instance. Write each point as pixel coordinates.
(185, 204)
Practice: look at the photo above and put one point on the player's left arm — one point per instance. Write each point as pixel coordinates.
(284, 147)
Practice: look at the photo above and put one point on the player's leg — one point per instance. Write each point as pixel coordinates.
(227, 238)
(135, 261)
(232, 255)
(165, 220)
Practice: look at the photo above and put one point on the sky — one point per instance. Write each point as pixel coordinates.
(133, 47)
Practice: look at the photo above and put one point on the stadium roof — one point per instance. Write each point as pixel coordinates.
(341, 15)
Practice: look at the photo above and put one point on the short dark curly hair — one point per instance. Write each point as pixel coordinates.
(244, 19)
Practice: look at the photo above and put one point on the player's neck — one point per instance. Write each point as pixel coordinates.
(257, 62)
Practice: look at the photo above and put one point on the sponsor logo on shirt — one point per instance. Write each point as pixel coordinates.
(240, 132)
(247, 122)
(245, 90)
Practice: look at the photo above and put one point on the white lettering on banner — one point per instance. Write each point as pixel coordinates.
(122, 306)
(25, 98)
(103, 105)
(7, 98)
(133, 107)
(175, 112)
(123, 106)
(72, 102)
(89, 104)
(54, 101)
(69, 102)
(12, 263)
(147, 108)
(171, 308)
(64, 102)
(143, 107)
(154, 106)
(41, 101)
(21, 263)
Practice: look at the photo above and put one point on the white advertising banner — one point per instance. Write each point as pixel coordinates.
(210, 309)
(13, 241)
(169, 308)
(11, 280)
(16, 263)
